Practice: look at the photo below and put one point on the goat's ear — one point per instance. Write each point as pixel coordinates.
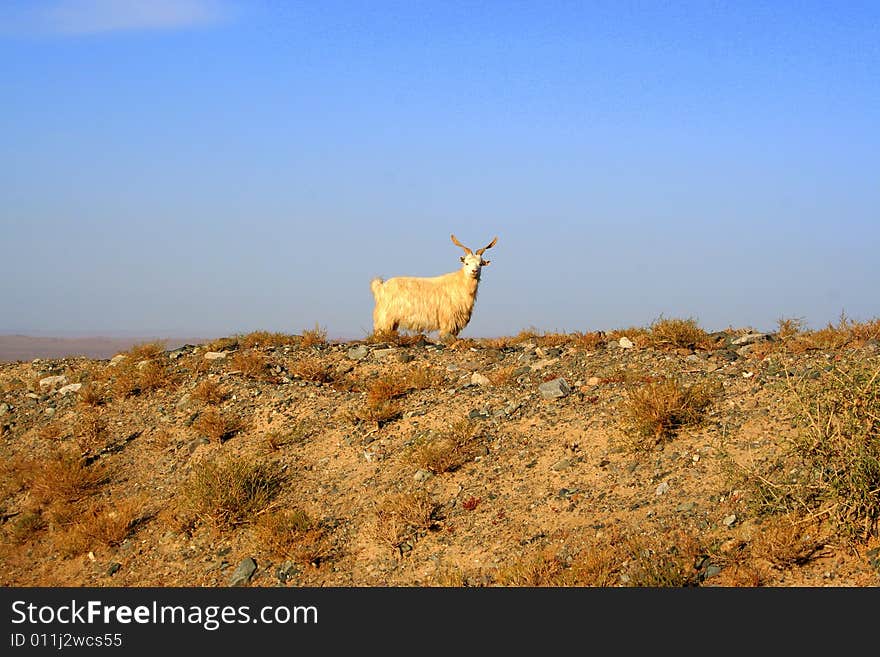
(461, 258)
(485, 263)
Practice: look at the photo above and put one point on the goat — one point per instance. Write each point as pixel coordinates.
(439, 303)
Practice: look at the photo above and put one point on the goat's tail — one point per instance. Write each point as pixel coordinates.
(375, 286)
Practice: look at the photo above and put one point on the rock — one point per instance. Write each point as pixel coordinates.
(594, 381)
(215, 355)
(70, 387)
(183, 401)
(422, 475)
(729, 520)
(480, 380)
(554, 389)
(51, 382)
(4, 409)
(543, 363)
(692, 358)
(478, 414)
(751, 338)
(358, 353)
(118, 358)
(561, 464)
(662, 488)
(684, 507)
(49, 412)
(243, 572)
(384, 353)
(114, 568)
(405, 357)
(625, 343)
(286, 571)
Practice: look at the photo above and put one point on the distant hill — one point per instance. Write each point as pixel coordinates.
(25, 347)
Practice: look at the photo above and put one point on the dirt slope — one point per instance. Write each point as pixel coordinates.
(441, 477)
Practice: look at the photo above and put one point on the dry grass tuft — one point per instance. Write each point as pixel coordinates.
(63, 477)
(133, 377)
(787, 541)
(833, 466)
(209, 391)
(590, 341)
(683, 333)
(502, 376)
(216, 426)
(90, 395)
(638, 335)
(266, 339)
(250, 363)
(316, 337)
(662, 562)
(448, 451)
(292, 534)
(228, 493)
(91, 432)
(655, 411)
(312, 369)
(146, 351)
(400, 518)
(102, 525)
(396, 338)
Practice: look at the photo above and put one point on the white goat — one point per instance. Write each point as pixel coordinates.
(440, 303)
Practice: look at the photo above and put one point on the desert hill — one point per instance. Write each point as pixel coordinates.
(655, 456)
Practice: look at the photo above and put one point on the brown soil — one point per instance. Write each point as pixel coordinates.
(542, 484)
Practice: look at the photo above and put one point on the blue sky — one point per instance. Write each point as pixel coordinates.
(209, 167)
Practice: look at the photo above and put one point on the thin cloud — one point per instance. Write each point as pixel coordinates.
(101, 16)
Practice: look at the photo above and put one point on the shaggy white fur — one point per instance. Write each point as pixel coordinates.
(439, 303)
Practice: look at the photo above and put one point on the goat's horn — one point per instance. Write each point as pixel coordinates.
(480, 251)
(457, 243)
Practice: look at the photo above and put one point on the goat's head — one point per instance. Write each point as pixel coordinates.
(472, 262)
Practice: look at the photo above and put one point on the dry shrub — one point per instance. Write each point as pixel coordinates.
(230, 492)
(655, 411)
(664, 562)
(216, 426)
(448, 451)
(292, 534)
(502, 376)
(63, 476)
(90, 395)
(638, 335)
(222, 344)
(424, 377)
(315, 337)
(250, 363)
(103, 525)
(312, 369)
(396, 338)
(131, 377)
(833, 462)
(296, 434)
(789, 327)
(378, 414)
(385, 389)
(536, 570)
(590, 341)
(788, 540)
(25, 526)
(51, 431)
(91, 432)
(209, 391)
(684, 333)
(266, 339)
(403, 517)
(146, 350)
